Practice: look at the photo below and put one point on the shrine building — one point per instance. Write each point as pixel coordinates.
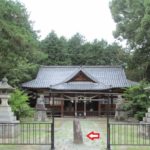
(79, 90)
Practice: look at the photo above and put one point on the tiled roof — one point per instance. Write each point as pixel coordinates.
(80, 86)
(57, 76)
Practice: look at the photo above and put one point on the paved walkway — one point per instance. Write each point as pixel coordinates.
(64, 135)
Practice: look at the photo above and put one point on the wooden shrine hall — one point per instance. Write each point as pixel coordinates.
(78, 90)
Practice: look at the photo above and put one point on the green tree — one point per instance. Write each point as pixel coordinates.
(102, 53)
(56, 49)
(19, 52)
(19, 104)
(133, 24)
(75, 50)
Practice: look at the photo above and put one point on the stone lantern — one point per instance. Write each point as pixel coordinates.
(120, 113)
(41, 110)
(8, 123)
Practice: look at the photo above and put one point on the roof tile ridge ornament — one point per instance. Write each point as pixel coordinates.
(102, 66)
(80, 66)
(59, 66)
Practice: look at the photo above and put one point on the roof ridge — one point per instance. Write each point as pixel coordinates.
(80, 66)
(57, 66)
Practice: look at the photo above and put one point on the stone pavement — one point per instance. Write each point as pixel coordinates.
(64, 135)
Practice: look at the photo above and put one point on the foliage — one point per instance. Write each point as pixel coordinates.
(137, 100)
(133, 24)
(19, 52)
(76, 51)
(55, 48)
(19, 104)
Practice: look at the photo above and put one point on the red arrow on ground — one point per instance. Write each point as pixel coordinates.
(92, 136)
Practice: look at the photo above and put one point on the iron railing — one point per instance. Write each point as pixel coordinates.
(129, 134)
(25, 133)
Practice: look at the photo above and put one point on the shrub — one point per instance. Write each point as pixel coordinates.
(19, 104)
(137, 100)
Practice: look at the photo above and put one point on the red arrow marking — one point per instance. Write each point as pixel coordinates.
(92, 136)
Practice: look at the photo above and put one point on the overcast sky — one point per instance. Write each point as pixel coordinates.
(91, 18)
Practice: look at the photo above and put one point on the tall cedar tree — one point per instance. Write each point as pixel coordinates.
(133, 24)
(19, 53)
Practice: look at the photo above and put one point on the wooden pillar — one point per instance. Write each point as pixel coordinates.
(111, 99)
(62, 108)
(75, 108)
(84, 109)
(111, 105)
(51, 102)
(99, 108)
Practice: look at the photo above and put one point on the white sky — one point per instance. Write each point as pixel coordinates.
(91, 18)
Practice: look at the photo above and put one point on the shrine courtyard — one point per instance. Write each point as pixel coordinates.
(64, 137)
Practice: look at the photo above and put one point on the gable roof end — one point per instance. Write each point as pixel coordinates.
(86, 74)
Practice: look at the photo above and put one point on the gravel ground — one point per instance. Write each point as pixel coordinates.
(64, 136)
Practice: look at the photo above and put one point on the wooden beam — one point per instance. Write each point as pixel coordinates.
(86, 92)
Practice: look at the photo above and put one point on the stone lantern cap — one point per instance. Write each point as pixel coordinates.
(4, 85)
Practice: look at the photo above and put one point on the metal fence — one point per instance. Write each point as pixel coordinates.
(26, 134)
(129, 134)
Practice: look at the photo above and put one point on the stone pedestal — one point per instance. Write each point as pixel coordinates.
(145, 125)
(9, 126)
(41, 110)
